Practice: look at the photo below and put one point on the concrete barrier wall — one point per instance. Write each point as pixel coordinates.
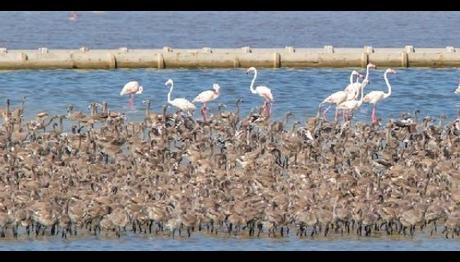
(244, 57)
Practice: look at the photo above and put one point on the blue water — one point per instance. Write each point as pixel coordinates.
(229, 29)
(202, 242)
(296, 90)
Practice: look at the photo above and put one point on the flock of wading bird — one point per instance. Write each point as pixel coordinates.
(229, 174)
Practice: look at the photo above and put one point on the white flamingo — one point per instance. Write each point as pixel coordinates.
(180, 103)
(351, 105)
(205, 97)
(131, 88)
(336, 98)
(262, 91)
(375, 96)
(457, 91)
(353, 88)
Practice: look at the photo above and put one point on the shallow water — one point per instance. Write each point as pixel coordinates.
(296, 90)
(201, 242)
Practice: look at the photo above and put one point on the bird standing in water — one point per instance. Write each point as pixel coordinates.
(131, 88)
(205, 97)
(262, 91)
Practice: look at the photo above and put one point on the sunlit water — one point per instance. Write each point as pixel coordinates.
(295, 90)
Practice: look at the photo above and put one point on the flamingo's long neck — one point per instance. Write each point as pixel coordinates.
(351, 78)
(252, 83)
(367, 73)
(388, 84)
(170, 91)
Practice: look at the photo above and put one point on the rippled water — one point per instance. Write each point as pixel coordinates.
(299, 91)
(296, 90)
(229, 29)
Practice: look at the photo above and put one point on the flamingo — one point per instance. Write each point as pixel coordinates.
(337, 97)
(375, 96)
(180, 103)
(353, 88)
(262, 91)
(457, 91)
(205, 97)
(352, 105)
(131, 88)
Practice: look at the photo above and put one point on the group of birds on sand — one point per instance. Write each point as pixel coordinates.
(133, 87)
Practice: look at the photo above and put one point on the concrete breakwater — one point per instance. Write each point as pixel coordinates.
(329, 56)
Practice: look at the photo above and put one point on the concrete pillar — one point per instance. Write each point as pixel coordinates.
(276, 60)
(160, 61)
(236, 62)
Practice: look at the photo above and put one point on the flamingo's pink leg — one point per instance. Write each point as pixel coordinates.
(264, 108)
(204, 110)
(374, 114)
(131, 102)
(325, 112)
(269, 108)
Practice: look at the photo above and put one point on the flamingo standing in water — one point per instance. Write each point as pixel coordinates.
(205, 97)
(262, 91)
(131, 88)
(337, 97)
(352, 105)
(180, 103)
(353, 88)
(375, 96)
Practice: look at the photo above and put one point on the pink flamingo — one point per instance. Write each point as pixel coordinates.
(262, 91)
(205, 97)
(131, 88)
(375, 96)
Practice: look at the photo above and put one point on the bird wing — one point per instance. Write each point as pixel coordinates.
(130, 87)
(182, 103)
(265, 92)
(336, 97)
(374, 95)
(204, 96)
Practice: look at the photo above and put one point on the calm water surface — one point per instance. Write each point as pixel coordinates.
(229, 29)
(296, 90)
